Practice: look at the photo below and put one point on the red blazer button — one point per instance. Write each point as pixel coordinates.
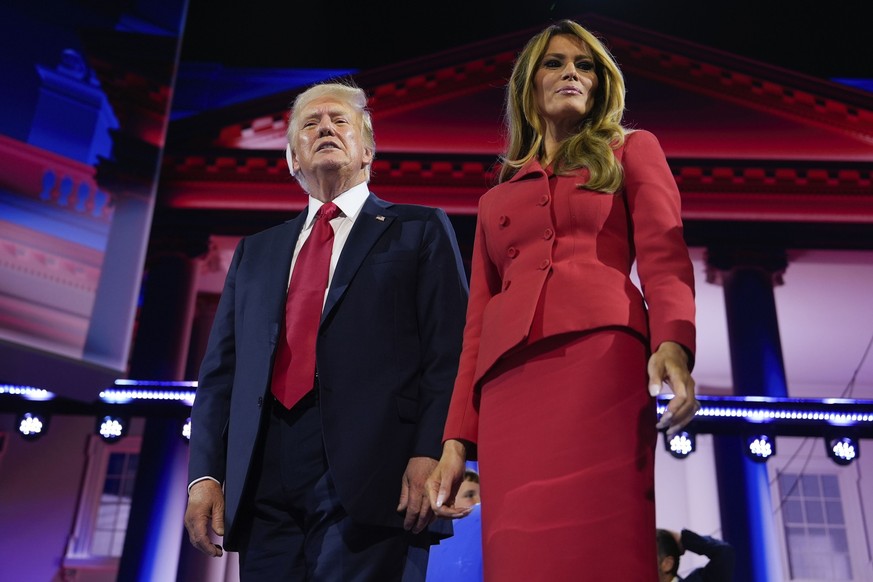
(548, 233)
(503, 220)
(512, 252)
(544, 199)
(545, 264)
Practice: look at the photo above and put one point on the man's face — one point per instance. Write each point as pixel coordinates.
(468, 495)
(329, 139)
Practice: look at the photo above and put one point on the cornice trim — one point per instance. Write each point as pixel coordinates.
(711, 189)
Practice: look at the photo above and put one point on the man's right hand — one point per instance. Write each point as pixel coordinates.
(205, 507)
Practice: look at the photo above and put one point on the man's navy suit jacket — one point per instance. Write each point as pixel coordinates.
(387, 355)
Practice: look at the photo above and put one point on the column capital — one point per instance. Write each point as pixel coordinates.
(723, 261)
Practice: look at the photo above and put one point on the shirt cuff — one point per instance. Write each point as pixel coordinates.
(191, 484)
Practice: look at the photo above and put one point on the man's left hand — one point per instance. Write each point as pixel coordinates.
(413, 495)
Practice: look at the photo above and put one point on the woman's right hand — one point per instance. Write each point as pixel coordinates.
(443, 483)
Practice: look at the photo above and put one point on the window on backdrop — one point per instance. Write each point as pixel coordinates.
(814, 521)
(104, 504)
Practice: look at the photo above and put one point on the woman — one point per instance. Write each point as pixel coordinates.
(560, 345)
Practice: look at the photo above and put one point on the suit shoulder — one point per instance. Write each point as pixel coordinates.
(270, 233)
(417, 211)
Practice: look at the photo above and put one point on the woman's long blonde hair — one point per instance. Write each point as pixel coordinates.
(599, 133)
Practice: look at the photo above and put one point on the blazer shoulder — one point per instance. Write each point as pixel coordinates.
(640, 139)
(280, 230)
(415, 211)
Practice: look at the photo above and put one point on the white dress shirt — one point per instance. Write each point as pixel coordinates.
(350, 203)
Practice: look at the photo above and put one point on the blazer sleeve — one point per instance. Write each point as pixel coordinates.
(664, 267)
(463, 420)
(211, 410)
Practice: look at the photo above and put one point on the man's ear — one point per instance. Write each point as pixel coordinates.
(368, 157)
(291, 159)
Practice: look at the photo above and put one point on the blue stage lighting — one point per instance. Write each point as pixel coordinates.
(186, 429)
(31, 425)
(760, 447)
(842, 450)
(127, 391)
(26, 392)
(112, 428)
(681, 444)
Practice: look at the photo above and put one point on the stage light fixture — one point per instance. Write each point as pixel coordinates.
(842, 449)
(186, 430)
(681, 444)
(112, 428)
(760, 447)
(31, 425)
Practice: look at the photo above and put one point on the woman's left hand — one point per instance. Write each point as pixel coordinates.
(669, 364)
(443, 483)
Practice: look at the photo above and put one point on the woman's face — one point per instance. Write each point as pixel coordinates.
(565, 82)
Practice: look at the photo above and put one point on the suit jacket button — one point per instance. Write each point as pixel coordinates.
(544, 199)
(548, 233)
(545, 264)
(260, 401)
(512, 252)
(503, 220)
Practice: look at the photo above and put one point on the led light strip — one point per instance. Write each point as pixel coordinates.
(122, 396)
(28, 392)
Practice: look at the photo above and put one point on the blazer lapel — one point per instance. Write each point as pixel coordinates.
(374, 219)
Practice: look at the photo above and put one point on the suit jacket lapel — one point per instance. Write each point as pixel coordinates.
(278, 267)
(282, 251)
(374, 219)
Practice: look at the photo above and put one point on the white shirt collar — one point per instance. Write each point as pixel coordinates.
(350, 203)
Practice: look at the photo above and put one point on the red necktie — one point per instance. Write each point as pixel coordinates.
(294, 368)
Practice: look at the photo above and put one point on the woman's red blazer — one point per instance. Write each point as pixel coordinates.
(590, 283)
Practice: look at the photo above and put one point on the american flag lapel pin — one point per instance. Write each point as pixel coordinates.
(380, 218)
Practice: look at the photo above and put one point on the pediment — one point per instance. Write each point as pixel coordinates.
(684, 92)
(727, 124)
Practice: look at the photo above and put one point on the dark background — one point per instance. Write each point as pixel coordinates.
(823, 39)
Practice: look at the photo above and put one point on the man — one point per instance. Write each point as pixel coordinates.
(671, 545)
(330, 486)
